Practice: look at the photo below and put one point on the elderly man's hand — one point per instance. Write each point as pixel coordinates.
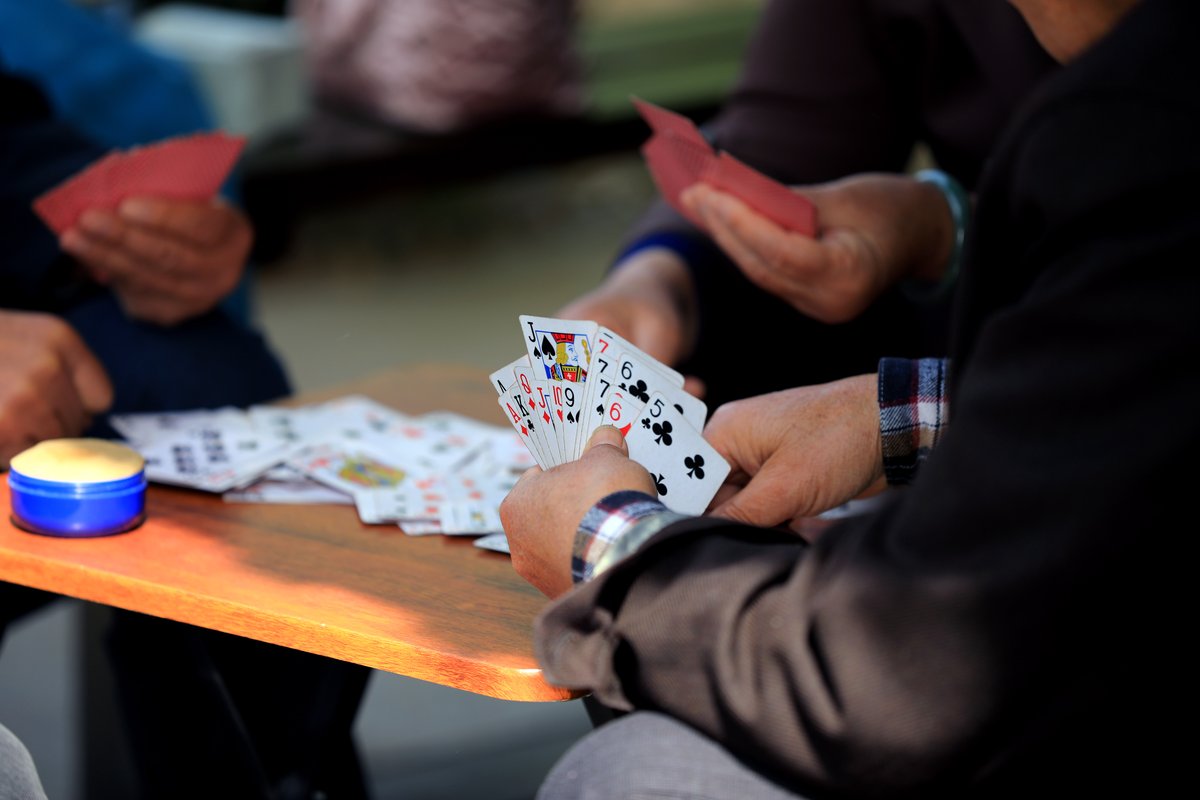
(875, 230)
(542, 513)
(796, 453)
(166, 260)
(50, 383)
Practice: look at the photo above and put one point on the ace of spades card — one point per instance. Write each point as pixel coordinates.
(687, 471)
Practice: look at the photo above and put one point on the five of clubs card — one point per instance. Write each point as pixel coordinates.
(576, 375)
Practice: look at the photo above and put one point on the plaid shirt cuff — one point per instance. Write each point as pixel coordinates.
(913, 413)
(614, 528)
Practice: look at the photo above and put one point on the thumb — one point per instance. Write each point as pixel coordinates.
(607, 436)
(88, 375)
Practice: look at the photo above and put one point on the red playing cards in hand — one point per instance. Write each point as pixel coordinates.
(678, 156)
(184, 168)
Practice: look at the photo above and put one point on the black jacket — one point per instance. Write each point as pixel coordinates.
(1013, 623)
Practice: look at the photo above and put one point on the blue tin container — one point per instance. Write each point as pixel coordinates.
(77, 508)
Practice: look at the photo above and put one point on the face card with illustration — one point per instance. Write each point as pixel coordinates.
(687, 471)
(559, 348)
(516, 409)
(349, 469)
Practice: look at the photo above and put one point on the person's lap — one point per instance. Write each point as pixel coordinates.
(649, 755)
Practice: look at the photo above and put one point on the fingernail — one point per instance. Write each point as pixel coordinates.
(137, 209)
(71, 241)
(97, 222)
(607, 434)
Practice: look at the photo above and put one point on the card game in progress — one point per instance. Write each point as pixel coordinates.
(576, 376)
(436, 473)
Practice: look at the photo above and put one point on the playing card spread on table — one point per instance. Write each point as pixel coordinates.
(183, 168)
(623, 386)
(678, 156)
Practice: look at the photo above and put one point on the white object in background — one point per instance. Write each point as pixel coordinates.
(249, 66)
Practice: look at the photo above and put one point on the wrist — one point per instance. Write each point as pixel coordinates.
(936, 271)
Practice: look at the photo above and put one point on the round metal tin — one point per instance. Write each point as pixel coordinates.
(60, 508)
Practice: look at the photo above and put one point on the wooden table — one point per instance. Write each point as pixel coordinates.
(313, 577)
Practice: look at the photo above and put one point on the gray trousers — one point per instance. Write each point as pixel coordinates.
(648, 756)
(18, 776)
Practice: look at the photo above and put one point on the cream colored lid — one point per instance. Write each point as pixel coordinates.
(77, 461)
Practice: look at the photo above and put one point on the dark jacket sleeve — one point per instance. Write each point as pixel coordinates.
(37, 152)
(982, 616)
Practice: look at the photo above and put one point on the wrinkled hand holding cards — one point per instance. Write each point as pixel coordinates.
(678, 156)
(436, 473)
(577, 376)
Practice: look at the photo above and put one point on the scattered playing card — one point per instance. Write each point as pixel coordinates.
(496, 542)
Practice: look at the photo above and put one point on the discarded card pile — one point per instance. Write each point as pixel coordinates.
(436, 473)
(577, 376)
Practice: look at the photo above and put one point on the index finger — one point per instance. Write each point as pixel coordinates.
(87, 374)
(205, 222)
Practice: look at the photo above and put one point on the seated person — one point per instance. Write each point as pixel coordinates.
(122, 314)
(828, 89)
(994, 627)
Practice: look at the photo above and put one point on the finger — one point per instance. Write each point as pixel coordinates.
(694, 386)
(160, 308)
(607, 436)
(119, 246)
(87, 374)
(202, 223)
(767, 500)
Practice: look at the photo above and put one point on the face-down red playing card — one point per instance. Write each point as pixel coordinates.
(183, 168)
(679, 156)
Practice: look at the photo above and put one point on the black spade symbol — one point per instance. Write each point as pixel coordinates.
(548, 348)
(695, 466)
(659, 485)
(662, 430)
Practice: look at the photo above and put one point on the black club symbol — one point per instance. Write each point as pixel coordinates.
(662, 430)
(695, 466)
(638, 390)
(658, 484)
(646, 422)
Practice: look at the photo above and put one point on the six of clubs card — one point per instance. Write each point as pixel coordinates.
(578, 376)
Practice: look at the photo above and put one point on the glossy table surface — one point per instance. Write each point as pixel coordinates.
(314, 577)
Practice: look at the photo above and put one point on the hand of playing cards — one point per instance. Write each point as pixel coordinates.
(578, 376)
(678, 156)
(184, 168)
(438, 473)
